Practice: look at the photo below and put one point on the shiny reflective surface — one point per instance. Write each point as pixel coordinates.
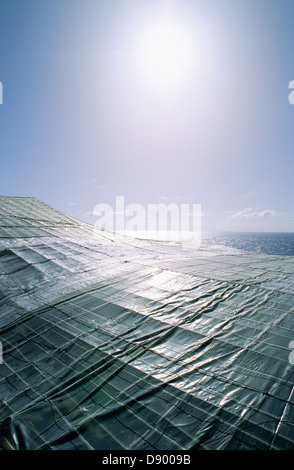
(111, 343)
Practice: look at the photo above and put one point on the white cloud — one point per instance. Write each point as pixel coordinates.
(95, 181)
(250, 194)
(72, 203)
(250, 213)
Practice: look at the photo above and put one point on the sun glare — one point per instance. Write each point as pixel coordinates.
(165, 53)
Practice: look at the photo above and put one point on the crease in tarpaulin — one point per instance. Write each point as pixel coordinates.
(282, 420)
(13, 435)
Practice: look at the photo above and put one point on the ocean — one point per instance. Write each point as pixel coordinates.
(279, 243)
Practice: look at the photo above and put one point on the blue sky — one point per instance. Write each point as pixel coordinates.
(85, 117)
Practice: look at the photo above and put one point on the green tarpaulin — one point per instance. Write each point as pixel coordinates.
(115, 343)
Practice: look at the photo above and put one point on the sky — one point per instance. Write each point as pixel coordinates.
(158, 101)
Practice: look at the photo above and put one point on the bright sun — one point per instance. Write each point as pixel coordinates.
(165, 53)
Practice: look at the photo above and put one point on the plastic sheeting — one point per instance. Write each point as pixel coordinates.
(114, 343)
